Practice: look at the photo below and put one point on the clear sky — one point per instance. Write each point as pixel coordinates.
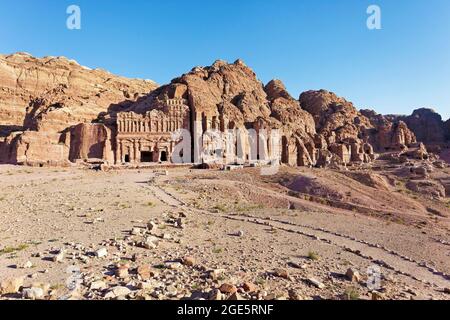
(309, 44)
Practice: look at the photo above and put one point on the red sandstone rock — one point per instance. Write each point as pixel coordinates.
(48, 96)
(55, 101)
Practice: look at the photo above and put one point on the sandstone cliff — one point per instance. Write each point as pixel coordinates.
(46, 105)
(427, 125)
(48, 96)
(337, 120)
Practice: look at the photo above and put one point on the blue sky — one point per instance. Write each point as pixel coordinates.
(309, 44)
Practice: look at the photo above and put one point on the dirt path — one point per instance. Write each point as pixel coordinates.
(375, 253)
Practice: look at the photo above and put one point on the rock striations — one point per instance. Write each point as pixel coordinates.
(41, 99)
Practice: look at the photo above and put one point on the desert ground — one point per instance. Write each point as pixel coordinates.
(182, 233)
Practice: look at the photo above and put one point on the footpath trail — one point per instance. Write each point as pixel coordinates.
(373, 252)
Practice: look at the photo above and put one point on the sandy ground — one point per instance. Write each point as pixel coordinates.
(236, 227)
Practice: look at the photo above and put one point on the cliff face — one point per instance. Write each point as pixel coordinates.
(427, 125)
(316, 128)
(53, 93)
(231, 90)
(338, 121)
(48, 96)
(47, 105)
(447, 129)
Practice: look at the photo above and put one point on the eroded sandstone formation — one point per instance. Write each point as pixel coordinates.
(54, 111)
(45, 98)
(427, 125)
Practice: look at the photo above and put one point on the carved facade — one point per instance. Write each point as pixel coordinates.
(152, 138)
(149, 137)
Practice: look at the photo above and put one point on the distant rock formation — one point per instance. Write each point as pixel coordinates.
(447, 129)
(54, 111)
(42, 99)
(427, 125)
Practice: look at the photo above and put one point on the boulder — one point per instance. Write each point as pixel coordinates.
(11, 285)
(428, 188)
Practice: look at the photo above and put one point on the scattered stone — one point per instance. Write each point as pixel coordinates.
(27, 265)
(98, 285)
(235, 297)
(228, 288)
(59, 257)
(11, 286)
(33, 293)
(145, 285)
(316, 283)
(144, 272)
(353, 275)
(294, 295)
(173, 265)
(151, 226)
(136, 257)
(43, 285)
(150, 242)
(172, 290)
(137, 231)
(122, 271)
(216, 273)
(117, 292)
(282, 273)
(377, 295)
(101, 253)
(189, 261)
(215, 294)
(296, 265)
(270, 296)
(249, 287)
(179, 223)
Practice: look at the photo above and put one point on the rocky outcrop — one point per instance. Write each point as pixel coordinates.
(58, 111)
(426, 124)
(231, 91)
(349, 133)
(287, 110)
(388, 133)
(447, 129)
(91, 141)
(46, 97)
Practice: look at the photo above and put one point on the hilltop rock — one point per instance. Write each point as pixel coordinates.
(388, 134)
(427, 125)
(47, 96)
(447, 129)
(59, 112)
(231, 90)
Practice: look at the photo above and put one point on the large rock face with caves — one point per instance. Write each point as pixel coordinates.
(53, 111)
(427, 125)
(41, 100)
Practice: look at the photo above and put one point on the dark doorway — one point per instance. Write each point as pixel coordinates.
(127, 158)
(285, 151)
(146, 156)
(163, 156)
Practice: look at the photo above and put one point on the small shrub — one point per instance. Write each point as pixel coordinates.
(7, 250)
(351, 294)
(313, 256)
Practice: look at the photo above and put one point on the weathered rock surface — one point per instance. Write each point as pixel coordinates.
(427, 188)
(48, 107)
(49, 96)
(427, 125)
